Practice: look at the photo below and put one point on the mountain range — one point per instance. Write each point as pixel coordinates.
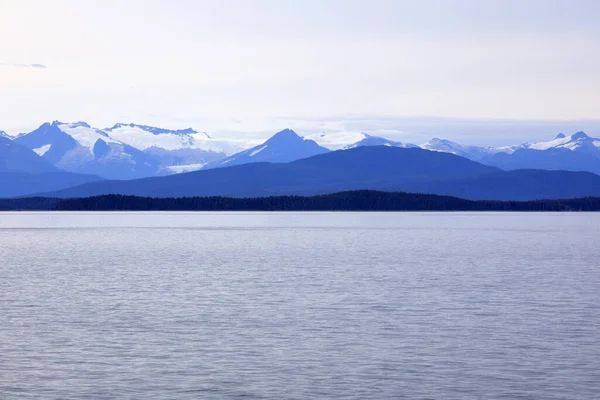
(175, 150)
(367, 167)
(576, 152)
(80, 148)
(123, 151)
(129, 151)
(58, 157)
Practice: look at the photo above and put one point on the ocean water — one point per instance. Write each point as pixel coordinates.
(299, 306)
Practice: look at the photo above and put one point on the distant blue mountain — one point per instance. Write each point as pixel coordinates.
(17, 158)
(550, 159)
(82, 149)
(371, 167)
(577, 152)
(284, 146)
(24, 172)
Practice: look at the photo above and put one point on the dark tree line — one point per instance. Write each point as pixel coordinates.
(29, 203)
(361, 200)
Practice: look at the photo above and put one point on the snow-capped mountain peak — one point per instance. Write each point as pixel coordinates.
(144, 137)
(576, 152)
(124, 151)
(78, 147)
(443, 145)
(84, 134)
(470, 152)
(285, 136)
(576, 141)
(284, 146)
(439, 142)
(579, 135)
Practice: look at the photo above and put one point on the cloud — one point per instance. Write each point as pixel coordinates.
(16, 65)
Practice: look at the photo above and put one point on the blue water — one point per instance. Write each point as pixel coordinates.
(299, 306)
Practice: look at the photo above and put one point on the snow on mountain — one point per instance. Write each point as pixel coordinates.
(140, 150)
(40, 151)
(175, 150)
(126, 151)
(60, 136)
(53, 141)
(144, 137)
(577, 142)
(337, 140)
(470, 152)
(255, 152)
(378, 141)
(185, 168)
(4, 134)
(84, 134)
(284, 146)
(576, 152)
(77, 147)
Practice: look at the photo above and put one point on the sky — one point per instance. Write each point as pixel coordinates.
(477, 71)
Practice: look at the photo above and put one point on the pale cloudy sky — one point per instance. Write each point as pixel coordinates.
(253, 66)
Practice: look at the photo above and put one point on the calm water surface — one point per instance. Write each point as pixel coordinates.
(299, 306)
